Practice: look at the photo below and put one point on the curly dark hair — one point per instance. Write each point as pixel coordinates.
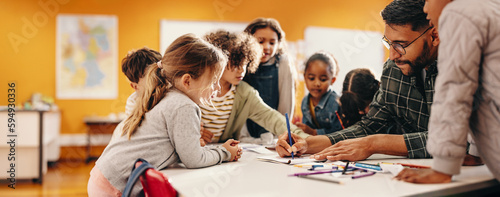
(241, 48)
(404, 12)
(358, 90)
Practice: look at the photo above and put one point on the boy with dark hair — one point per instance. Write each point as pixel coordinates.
(133, 66)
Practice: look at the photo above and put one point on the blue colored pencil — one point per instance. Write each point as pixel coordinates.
(368, 166)
(289, 132)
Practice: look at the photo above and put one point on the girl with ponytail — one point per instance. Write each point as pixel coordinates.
(164, 126)
(358, 90)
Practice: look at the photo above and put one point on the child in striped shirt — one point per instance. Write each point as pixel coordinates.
(237, 101)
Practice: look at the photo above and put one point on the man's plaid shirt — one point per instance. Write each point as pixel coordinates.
(398, 107)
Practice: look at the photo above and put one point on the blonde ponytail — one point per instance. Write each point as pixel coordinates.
(155, 89)
(186, 55)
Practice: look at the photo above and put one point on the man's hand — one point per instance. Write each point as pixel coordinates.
(283, 147)
(423, 176)
(306, 128)
(352, 150)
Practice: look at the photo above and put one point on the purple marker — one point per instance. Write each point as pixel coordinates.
(363, 175)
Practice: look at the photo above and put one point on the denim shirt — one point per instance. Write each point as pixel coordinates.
(325, 113)
(265, 81)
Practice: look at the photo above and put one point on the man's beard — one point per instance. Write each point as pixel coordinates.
(424, 59)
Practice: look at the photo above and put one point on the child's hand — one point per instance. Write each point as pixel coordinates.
(306, 128)
(235, 150)
(206, 135)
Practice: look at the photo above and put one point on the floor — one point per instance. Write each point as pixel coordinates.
(65, 178)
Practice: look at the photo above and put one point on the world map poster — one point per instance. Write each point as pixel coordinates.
(86, 57)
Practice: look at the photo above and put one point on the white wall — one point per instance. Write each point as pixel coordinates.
(352, 49)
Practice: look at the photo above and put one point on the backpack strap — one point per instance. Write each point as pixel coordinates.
(134, 176)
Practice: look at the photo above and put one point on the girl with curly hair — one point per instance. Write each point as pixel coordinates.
(237, 102)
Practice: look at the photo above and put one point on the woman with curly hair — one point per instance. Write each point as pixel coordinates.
(236, 102)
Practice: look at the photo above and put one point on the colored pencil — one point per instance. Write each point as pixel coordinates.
(363, 175)
(409, 165)
(321, 179)
(289, 132)
(345, 168)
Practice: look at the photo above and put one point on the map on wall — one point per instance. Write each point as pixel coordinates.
(86, 57)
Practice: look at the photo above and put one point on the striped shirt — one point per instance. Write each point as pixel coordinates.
(215, 119)
(400, 106)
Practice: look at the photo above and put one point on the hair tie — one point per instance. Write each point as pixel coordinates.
(159, 64)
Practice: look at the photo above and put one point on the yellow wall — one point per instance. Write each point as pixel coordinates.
(31, 64)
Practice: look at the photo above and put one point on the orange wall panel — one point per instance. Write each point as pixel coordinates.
(30, 60)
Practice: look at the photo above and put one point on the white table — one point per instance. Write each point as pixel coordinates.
(98, 125)
(252, 177)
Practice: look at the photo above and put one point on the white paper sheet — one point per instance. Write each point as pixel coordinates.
(288, 160)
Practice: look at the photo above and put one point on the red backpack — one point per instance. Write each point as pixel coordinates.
(154, 182)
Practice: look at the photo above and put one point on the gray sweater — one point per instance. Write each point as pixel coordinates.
(467, 98)
(169, 132)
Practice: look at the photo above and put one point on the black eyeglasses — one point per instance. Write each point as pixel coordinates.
(398, 47)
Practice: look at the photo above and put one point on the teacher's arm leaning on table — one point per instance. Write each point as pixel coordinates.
(352, 149)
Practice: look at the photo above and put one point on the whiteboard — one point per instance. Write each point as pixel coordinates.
(172, 29)
(352, 49)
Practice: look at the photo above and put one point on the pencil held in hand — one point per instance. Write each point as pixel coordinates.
(289, 132)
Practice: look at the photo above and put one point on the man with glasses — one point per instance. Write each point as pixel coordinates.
(396, 123)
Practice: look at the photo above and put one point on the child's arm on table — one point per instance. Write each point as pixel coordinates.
(184, 133)
(232, 146)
